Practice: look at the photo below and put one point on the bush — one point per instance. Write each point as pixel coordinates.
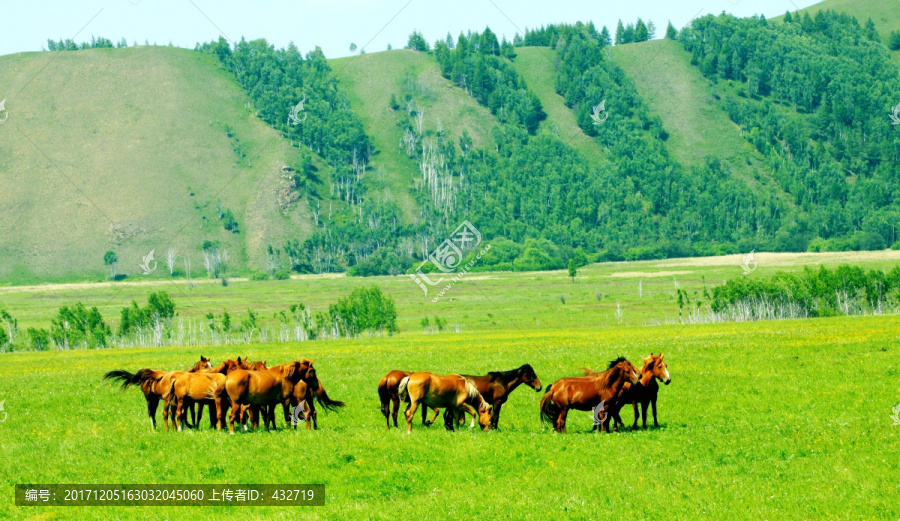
(259, 275)
(38, 339)
(282, 274)
(365, 309)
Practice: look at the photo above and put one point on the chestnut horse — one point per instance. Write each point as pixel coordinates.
(451, 391)
(586, 392)
(496, 386)
(387, 393)
(153, 384)
(189, 388)
(267, 387)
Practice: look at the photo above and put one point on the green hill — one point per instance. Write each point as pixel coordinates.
(127, 150)
(697, 125)
(148, 148)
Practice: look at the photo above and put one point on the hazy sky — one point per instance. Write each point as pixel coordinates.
(27, 24)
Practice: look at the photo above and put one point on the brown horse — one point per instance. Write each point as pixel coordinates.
(451, 391)
(190, 388)
(496, 386)
(307, 396)
(387, 393)
(587, 392)
(267, 387)
(153, 384)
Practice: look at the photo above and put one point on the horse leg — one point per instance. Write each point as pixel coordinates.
(254, 417)
(235, 411)
(644, 412)
(395, 401)
(314, 415)
(199, 413)
(495, 416)
(180, 414)
(410, 414)
(217, 419)
(425, 421)
(561, 420)
(213, 414)
(637, 415)
(152, 404)
(468, 409)
(653, 404)
(434, 418)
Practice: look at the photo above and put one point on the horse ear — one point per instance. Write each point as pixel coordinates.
(239, 360)
(660, 356)
(311, 362)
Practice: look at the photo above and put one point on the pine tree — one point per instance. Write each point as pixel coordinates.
(671, 32)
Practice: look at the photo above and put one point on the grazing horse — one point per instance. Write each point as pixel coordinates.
(266, 387)
(387, 393)
(153, 384)
(496, 386)
(586, 392)
(452, 391)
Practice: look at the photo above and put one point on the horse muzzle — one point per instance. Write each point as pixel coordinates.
(667, 382)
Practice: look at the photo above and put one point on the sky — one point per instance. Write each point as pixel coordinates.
(333, 25)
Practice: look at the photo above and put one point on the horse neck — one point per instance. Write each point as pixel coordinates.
(646, 375)
(476, 401)
(511, 384)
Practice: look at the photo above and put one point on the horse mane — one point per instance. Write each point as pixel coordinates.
(475, 396)
(616, 362)
(508, 375)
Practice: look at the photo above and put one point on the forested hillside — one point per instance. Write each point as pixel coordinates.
(552, 145)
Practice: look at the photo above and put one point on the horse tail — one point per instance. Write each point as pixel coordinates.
(402, 392)
(326, 402)
(384, 396)
(169, 392)
(549, 410)
(587, 371)
(127, 379)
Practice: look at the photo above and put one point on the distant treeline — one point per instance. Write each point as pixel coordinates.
(365, 310)
(846, 290)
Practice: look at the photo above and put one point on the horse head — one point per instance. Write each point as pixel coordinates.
(203, 365)
(298, 370)
(258, 366)
(655, 367)
(628, 370)
(530, 378)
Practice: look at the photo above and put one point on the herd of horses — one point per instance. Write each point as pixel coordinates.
(251, 389)
(238, 385)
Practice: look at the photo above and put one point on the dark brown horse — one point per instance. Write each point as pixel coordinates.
(450, 391)
(387, 393)
(496, 386)
(646, 391)
(267, 387)
(585, 393)
(308, 396)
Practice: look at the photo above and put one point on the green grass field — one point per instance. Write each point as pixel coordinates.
(764, 420)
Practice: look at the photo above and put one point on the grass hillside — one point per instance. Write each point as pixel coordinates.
(536, 65)
(697, 126)
(371, 79)
(126, 150)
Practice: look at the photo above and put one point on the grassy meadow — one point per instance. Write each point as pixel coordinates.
(763, 420)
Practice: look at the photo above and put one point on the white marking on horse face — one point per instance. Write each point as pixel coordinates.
(667, 374)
